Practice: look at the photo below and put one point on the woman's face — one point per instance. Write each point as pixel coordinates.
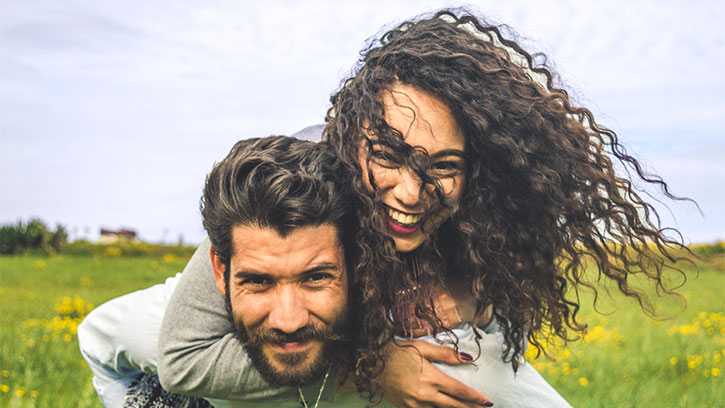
(426, 123)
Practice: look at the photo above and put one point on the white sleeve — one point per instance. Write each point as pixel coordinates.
(119, 339)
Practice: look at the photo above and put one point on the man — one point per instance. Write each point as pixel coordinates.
(277, 212)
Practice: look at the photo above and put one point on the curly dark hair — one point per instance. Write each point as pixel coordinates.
(278, 182)
(541, 201)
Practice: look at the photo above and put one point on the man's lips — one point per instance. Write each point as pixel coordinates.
(291, 347)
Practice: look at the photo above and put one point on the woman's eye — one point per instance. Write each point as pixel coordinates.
(446, 168)
(385, 159)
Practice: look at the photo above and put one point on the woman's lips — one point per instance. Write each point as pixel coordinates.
(402, 223)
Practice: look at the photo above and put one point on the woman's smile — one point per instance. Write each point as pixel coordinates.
(403, 223)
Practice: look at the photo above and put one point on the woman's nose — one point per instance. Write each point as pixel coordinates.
(408, 188)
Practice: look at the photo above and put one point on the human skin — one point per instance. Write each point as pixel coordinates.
(427, 124)
(283, 285)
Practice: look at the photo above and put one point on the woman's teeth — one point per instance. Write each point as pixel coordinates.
(404, 219)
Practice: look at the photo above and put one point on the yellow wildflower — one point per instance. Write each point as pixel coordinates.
(5, 373)
(20, 392)
(715, 372)
(583, 381)
(112, 252)
(34, 393)
(673, 360)
(4, 388)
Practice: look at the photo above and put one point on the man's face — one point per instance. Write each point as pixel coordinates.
(288, 297)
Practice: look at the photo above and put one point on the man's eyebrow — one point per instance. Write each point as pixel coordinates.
(448, 152)
(244, 274)
(325, 266)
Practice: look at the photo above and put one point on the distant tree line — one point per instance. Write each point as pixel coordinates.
(32, 236)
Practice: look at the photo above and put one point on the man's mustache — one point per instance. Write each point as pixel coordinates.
(257, 338)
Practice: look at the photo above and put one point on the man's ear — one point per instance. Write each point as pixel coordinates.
(219, 269)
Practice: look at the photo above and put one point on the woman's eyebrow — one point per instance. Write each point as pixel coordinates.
(436, 155)
(383, 143)
(448, 152)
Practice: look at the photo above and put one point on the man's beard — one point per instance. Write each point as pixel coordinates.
(331, 336)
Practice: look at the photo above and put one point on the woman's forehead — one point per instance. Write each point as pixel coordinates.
(423, 120)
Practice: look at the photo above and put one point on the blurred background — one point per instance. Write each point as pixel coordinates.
(112, 113)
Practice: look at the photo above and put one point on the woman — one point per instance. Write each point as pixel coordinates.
(482, 193)
(536, 195)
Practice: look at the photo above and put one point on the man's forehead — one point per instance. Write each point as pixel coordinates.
(265, 250)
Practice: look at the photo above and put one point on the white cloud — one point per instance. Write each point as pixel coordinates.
(112, 112)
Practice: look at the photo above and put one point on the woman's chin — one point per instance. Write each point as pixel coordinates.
(411, 241)
(408, 243)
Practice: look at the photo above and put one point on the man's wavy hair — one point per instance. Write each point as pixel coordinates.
(541, 201)
(276, 182)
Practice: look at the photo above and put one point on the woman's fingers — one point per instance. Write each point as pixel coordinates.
(464, 396)
(442, 400)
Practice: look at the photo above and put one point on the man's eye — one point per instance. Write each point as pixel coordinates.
(318, 279)
(256, 283)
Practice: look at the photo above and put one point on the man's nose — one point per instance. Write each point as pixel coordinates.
(407, 189)
(289, 311)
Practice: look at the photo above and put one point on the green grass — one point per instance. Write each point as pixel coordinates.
(628, 360)
(40, 365)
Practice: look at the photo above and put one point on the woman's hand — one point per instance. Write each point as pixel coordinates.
(410, 380)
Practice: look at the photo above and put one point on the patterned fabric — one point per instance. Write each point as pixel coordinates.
(146, 392)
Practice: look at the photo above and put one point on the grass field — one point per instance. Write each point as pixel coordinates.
(626, 359)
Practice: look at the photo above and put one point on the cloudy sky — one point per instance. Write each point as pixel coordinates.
(112, 112)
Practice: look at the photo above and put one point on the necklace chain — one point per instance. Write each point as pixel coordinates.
(319, 395)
